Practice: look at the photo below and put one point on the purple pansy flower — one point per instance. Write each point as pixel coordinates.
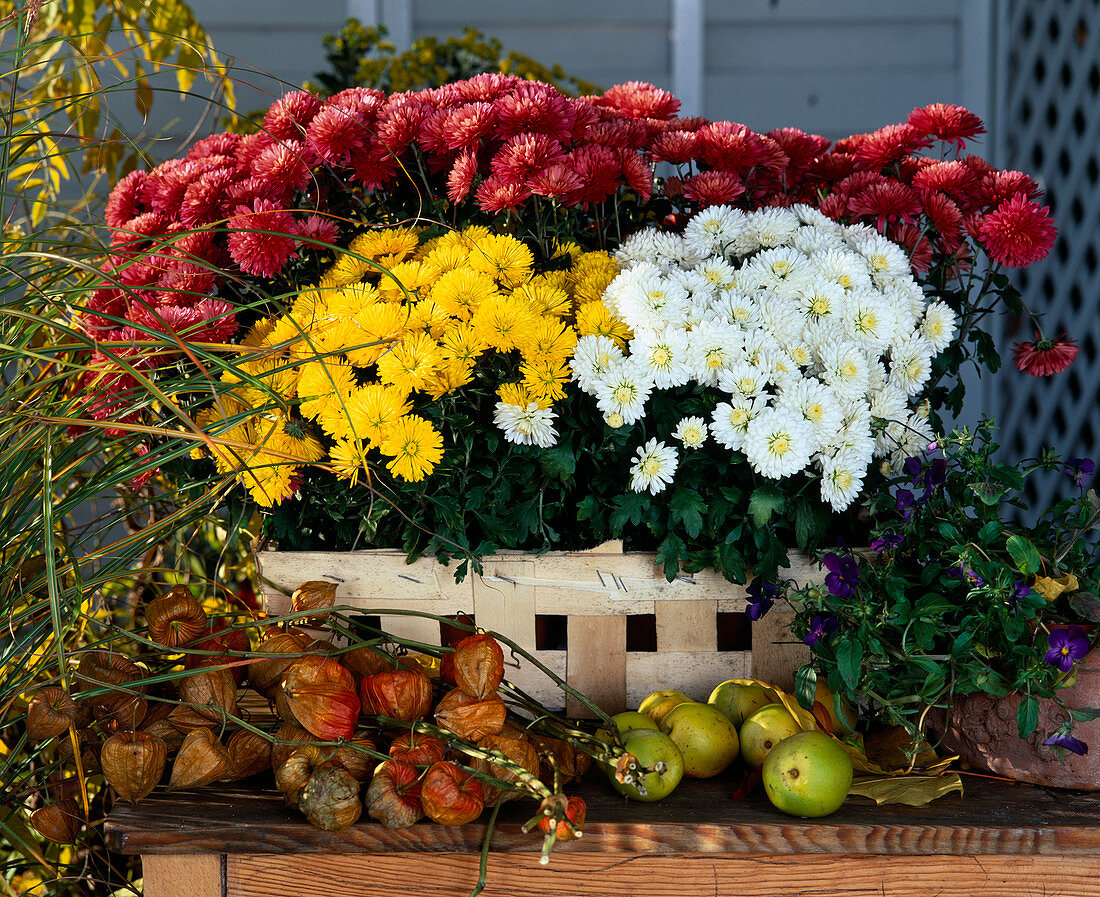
(761, 598)
(1067, 741)
(936, 475)
(891, 541)
(1067, 645)
(905, 500)
(1022, 590)
(843, 575)
(966, 573)
(1080, 469)
(913, 469)
(820, 626)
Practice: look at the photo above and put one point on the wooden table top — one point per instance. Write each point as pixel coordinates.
(993, 817)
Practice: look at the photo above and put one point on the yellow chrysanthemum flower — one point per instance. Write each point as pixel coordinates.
(453, 373)
(596, 318)
(376, 328)
(553, 341)
(411, 362)
(514, 394)
(505, 323)
(462, 342)
(503, 258)
(545, 298)
(415, 446)
(591, 275)
(349, 460)
(403, 282)
(373, 408)
(320, 380)
(430, 316)
(442, 257)
(461, 291)
(545, 380)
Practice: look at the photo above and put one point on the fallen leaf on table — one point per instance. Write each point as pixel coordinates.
(912, 790)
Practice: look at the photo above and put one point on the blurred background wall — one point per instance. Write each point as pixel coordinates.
(833, 67)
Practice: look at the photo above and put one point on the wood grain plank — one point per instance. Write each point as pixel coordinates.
(694, 673)
(614, 875)
(699, 817)
(776, 652)
(686, 626)
(596, 663)
(196, 875)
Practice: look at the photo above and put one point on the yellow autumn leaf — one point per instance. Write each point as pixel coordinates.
(1051, 587)
(912, 790)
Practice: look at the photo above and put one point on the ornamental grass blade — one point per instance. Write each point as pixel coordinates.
(911, 790)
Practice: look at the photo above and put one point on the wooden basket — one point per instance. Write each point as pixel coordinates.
(607, 622)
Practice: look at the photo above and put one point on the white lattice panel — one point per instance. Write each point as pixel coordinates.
(1049, 121)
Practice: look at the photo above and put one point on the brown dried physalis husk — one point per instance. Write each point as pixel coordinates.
(366, 661)
(330, 799)
(265, 675)
(520, 751)
(315, 595)
(293, 774)
(393, 796)
(470, 718)
(58, 822)
(210, 692)
(50, 712)
(249, 754)
(353, 756)
(201, 759)
(133, 763)
(478, 665)
(175, 618)
(571, 763)
(124, 705)
(288, 738)
(89, 747)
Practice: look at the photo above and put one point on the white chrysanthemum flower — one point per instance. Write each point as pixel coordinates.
(647, 300)
(910, 363)
(717, 272)
(844, 368)
(782, 370)
(773, 226)
(801, 354)
(810, 240)
(713, 230)
(654, 466)
(530, 425)
(691, 431)
(820, 298)
(841, 479)
(743, 379)
(780, 316)
(808, 215)
(663, 355)
(730, 420)
(938, 326)
(614, 420)
(655, 247)
(778, 443)
(886, 259)
(593, 357)
(842, 266)
(869, 320)
(816, 403)
(714, 347)
(908, 301)
(888, 402)
(734, 308)
(624, 390)
(771, 268)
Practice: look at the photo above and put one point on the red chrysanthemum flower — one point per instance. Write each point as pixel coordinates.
(222, 144)
(1044, 357)
(461, 177)
(466, 125)
(125, 201)
(141, 480)
(242, 193)
(499, 195)
(831, 167)
(997, 186)
(637, 173)
(879, 148)
(945, 218)
(183, 284)
(801, 148)
(711, 188)
(486, 87)
(204, 201)
(675, 147)
(1018, 232)
(597, 170)
(137, 230)
(166, 185)
(637, 99)
(834, 206)
(282, 166)
(290, 115)
(916, 243)
(374, 166)
(889, 201)
(729, 146)
(947, 122)
(672, 186)
(335, 133)
(262, 238)
(318, 229)
(585, 116)
(432, 136)
(537, 108)
(556, 181)
(399, 122)
(209, 320)
(946, 177)
(249, 147)
(104, 305)
(525, 154)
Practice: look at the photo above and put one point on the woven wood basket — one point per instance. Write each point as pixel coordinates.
(607, 622)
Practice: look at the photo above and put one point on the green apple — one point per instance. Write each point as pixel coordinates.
(656, 705)
(808, 774)
(739, 700)
(625, 722)
(656, 752)
(764, 730)
(705, 736)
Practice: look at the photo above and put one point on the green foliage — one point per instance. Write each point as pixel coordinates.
(360, 56)
(953, 597)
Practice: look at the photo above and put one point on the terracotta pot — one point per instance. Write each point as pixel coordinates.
(982, 730)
